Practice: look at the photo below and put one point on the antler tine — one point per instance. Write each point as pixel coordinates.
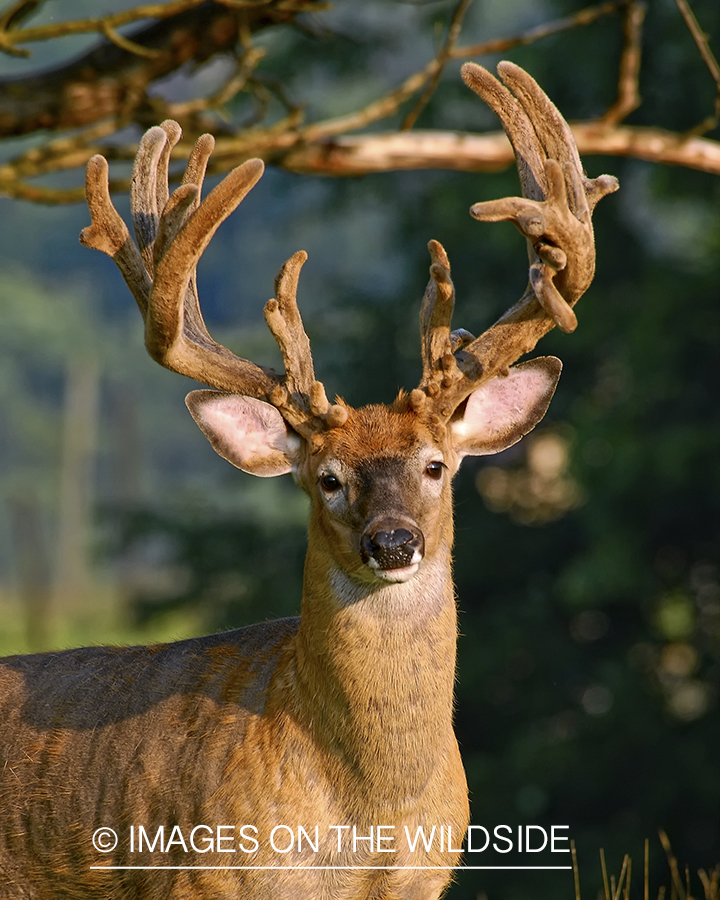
(554, 214)
(108, 233)
(151, 162)
(184, 202)
(195, 169)
(436, 340)
(529, 156)
(301, 399)
(557, 140)
(553, 136)
(283, 319)
(173, 134)
(175, 212)
(436, 314)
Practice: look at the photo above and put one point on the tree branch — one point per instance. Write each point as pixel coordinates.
(582, 17)
(628, 95)
(10, 36)
(701, 42)
(394, 151)
(106, 89)
(362, 154)
(442, 59)
(112, 79)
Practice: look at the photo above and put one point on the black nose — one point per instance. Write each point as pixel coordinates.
(392, 548)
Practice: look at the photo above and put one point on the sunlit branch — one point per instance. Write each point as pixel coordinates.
(329, 147)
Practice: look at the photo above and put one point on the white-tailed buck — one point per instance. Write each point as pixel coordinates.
(296, 758)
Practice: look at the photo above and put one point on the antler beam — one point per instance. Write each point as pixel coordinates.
(554, 215)
(172, 231)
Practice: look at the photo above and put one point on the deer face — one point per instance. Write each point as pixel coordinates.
(379, 484)
(380, 490)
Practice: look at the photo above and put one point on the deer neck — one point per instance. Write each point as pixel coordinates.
(375, 666)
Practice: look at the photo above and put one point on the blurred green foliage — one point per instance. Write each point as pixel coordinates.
(589, 655)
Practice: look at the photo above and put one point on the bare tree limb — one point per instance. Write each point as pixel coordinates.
(442, 58)
(389, 104)
(711, 62)
(362, 154)
(113, 79)
(628, 96)
(393, 151)
(106, 89)
(582, 17)
(11, 36)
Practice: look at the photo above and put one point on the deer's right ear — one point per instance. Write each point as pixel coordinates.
(249, 433)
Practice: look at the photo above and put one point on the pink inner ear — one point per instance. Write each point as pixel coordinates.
(499, 406)
(500, 412)
(252, 426)
(249, 433)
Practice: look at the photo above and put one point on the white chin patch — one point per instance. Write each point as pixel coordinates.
(395, 576)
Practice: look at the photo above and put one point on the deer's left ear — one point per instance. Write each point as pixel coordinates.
(500, 412)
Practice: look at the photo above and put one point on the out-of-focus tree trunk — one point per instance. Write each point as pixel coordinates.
(33, 567)
(80, 426)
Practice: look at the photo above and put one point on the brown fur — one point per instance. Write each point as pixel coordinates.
(343, 717)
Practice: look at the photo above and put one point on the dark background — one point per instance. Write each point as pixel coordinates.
(587, 556)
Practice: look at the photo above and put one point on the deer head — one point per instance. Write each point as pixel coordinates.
(378, 476)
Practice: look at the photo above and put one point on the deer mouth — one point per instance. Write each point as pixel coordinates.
(394, 552)
(395, 576)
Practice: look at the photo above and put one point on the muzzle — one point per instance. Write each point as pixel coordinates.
(390, 544)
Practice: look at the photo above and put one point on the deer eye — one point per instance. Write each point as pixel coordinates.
(330, 484)
(434, 470)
